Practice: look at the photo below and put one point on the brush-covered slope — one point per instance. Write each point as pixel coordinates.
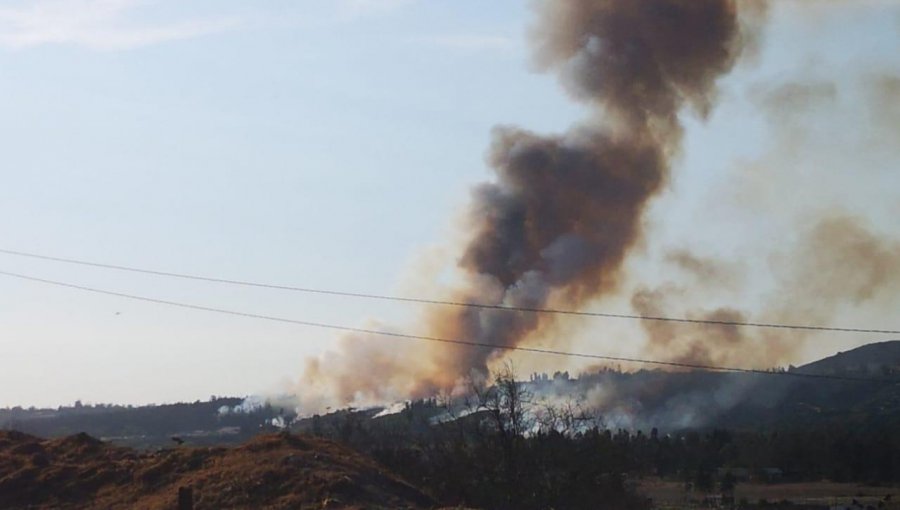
(882, 358)
(271, 471)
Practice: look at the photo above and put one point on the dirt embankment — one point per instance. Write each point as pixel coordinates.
(271, 471)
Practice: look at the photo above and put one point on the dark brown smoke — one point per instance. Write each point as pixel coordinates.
(706, 271)
(710, 344)
(884, 105)
(564, 211)
(840, 262)
(640, 60)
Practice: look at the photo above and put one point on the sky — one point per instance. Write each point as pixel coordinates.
(333, 144)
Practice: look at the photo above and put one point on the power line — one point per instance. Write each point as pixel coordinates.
(465, 304)
(465, 343)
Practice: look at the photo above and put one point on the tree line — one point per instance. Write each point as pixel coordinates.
(502, 453)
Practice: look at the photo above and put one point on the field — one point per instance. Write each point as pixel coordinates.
(672, 495)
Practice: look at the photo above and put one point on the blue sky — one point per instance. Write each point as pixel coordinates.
(329, 144)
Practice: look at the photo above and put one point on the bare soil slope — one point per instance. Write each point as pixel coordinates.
(271, 471)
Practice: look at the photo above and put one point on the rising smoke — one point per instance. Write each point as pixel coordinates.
(563, 212)
(840, 261)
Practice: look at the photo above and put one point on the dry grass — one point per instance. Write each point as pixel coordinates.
(272, 471)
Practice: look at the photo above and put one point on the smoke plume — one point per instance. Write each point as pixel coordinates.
(840, 261)
(563, 211)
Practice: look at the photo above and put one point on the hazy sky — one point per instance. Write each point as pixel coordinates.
(331, 143)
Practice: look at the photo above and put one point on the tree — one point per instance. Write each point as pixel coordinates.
(507, 402)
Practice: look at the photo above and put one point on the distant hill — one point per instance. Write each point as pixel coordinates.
(882, 358)
(700, 399)
(271, 471)
(675, 401)
(751, 401)
(220, 420)
(669, 401)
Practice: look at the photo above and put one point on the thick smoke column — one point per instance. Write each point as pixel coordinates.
(564, 211)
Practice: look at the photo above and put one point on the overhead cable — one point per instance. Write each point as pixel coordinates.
(460, 342)
(466, 304)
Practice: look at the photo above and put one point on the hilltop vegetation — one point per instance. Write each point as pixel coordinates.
(217, 421)
(510, 448)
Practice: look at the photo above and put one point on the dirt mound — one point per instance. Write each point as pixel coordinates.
(271, 471)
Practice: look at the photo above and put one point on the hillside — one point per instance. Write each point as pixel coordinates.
(271, 471)
(872, 359)
(213, 422)
(807, 428)
(675, 401)
(639, 400)
(700, 399)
